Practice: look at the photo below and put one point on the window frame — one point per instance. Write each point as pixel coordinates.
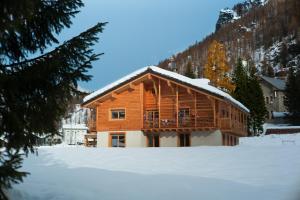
(185, 119)
(117, 133)
(116, 109)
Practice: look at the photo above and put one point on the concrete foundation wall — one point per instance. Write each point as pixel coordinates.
(168, 139)
(135, 139)
(202, 138)
(132, 138)
(102, 139)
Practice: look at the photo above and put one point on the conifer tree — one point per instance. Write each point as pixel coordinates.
(239, 78)
(283, 55)
(249, 92)
(292, 93)
(35, 91)
(217, 69)
(255, 103)
(189, 71)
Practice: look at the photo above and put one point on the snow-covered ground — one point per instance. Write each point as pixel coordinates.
(259, 168)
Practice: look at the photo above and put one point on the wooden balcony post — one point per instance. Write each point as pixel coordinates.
(159, 99)
(230, 125)
(215, 107)
(195, 112)
(142, 104)
(96, 120)
(177, 106)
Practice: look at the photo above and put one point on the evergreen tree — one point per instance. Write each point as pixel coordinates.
(239, 78)
(283, 55)
(189, 71)
(256, 104)
(292, 93)
(35, 91)
(249, 92)
(216, 67)
(267, 70)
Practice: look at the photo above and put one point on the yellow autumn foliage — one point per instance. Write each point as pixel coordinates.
(217, 69)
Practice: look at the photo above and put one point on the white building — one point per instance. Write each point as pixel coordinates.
(74, 127)
(74, 133)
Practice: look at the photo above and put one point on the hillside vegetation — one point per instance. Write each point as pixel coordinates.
(264, 33)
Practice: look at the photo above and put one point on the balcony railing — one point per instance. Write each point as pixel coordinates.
(185, 122)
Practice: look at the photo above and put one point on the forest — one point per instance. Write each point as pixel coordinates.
(267, 36)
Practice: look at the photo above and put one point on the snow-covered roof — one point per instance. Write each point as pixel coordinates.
(74, 126)
(201, 84)
(277, 83)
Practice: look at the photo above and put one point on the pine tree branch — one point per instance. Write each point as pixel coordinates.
(87, 35)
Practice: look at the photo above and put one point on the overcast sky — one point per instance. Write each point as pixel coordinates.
(142, 32)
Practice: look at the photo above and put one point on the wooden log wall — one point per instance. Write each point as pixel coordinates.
(130, 101)
(176, 105)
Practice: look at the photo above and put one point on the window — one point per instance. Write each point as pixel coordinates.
(184, 139)
(267, 100)
(153, 140)
(117, 139)
(118, 114)
(152, 118)
(184, 116)
(271, 99)
(225, 113)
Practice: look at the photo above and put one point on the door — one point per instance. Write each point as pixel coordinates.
(152, 118)
(184, 139)
(153, 140)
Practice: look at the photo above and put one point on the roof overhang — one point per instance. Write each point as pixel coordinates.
(145, 76)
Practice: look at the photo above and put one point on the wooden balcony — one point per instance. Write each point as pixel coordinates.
(92, 126)
(90, 140)
(225, 124)
(183, 124)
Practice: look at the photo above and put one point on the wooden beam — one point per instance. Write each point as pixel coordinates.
(215, 107)
(128, 86)
(169, 83)
(96, 115)
(142, 103)
(195, 106)
(141, 79)
(159, 99)
(184, 86)
(155, 87)
(230, 121)
(177, 106)
(114, 95)
(189, 90)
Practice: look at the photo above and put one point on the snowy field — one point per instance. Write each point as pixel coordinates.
(259, 168)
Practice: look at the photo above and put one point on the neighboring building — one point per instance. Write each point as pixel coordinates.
(153, 107)
(74, 133)
(74, 126)
(273, 90)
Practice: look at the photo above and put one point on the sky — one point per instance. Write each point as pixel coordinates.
(142, 32)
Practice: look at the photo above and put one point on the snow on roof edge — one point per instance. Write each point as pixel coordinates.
(174, 75)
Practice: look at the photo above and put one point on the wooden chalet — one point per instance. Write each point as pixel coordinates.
(153, 107)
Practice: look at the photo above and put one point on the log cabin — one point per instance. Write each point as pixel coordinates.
(153, 107)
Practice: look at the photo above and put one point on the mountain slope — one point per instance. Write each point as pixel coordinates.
(264, 33)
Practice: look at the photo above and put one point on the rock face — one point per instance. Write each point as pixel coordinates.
(230, 15)
(226, 16)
